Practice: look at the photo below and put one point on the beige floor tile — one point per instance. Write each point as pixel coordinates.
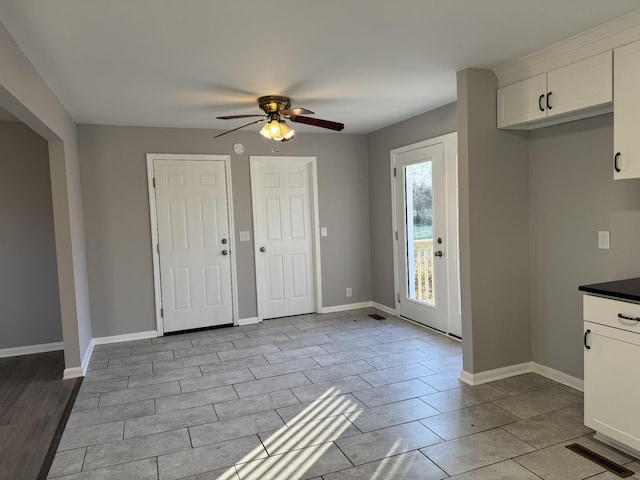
(462, 397)
(406, 466)
(387, 442)
(538, 402)
(476, 451)
(301, 464)
(521, 383)
(468, 421)
(507, 470)
(546, 430)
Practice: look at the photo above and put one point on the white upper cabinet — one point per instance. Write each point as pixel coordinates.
(579, 90)
(626, 114)
(522, 102)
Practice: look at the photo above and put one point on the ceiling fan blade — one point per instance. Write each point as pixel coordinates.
(250, 123)
(318, 122)
(232, 117)
(296, 111)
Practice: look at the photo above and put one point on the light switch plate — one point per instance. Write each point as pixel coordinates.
(603, 239)
(323, 232)
(245, 236)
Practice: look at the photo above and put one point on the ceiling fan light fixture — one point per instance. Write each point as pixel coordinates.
(266, 131)
(287, 131)
(277, 130)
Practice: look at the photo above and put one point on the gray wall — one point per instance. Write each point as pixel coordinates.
(423, 127)
(494, 230)
(573, 195)
(28, 273)
(116, 205)
(25, 94)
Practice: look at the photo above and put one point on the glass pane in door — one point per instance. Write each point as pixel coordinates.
(419, 232)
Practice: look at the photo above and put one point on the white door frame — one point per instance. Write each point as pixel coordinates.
(315, 225)
(450, 156)
(153, 215)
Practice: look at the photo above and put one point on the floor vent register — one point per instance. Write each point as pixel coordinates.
(604, 462)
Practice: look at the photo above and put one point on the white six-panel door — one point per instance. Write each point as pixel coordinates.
(193, 243)
(283, 221)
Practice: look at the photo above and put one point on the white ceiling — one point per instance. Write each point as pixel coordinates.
(367, 63)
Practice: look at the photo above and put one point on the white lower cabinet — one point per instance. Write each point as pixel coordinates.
(611, 360)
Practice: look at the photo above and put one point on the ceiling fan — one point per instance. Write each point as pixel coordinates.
(276, 109)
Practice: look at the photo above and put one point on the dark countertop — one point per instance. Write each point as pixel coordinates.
(624, 289)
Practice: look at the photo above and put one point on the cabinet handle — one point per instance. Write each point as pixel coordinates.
(615, 162)
(624, 317)
(585, 339)
(540, 103)
(549, 107)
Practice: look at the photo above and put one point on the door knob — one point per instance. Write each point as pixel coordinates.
(262, 249)
(438, 253)
(225, 252)
(223, 241)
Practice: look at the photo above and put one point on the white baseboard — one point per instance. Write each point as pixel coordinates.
(496, 374)
(348, 306)
(73, 372)
(384, 308)
(127, 337)
(559, 376)
(31, 349)
(248, 321)
(522, 368)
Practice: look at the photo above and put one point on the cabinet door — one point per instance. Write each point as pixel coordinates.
(519, 103)
(611, 387)
(583, 84)
(626, 111)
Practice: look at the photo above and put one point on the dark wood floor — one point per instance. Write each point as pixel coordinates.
(33, 400)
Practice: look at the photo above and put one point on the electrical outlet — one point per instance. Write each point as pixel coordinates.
(603, 239)
(349, 292)
(245, 236)
(323, 232)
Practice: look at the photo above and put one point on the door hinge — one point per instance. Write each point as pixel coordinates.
(398, 298)
(396, 235)
(162, 312)
(394, 172)
(158, 247)
(154, 182)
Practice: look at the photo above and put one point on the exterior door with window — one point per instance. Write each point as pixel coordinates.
(421, 242)
(282, 195)
(193, 243)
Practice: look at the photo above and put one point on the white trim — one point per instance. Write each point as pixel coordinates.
(601, 437)
(317, 263)
(153, 216)
(346, 307)
(444, 140)
(607, 36)
(248, 321)
(559, 376)
(496, 374)
(520, 369)
(383, 308)
(87, 356)
(30, 349)
(74, 372)
(127, 337)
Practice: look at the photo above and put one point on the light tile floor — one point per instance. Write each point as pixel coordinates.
(337, 396)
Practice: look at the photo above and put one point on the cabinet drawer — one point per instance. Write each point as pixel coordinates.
(606, 312)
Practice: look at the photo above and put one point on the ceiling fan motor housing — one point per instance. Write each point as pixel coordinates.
(274, 103)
